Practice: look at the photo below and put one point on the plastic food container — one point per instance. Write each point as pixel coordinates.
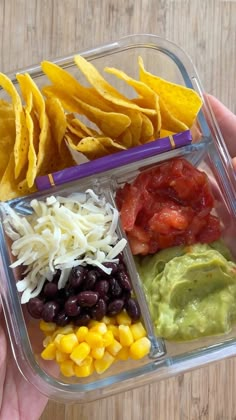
(209, 153)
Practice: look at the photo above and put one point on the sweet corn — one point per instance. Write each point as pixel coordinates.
(68, 343)
(68, 329)
(84, 371)
(80, 352)
(126, 338)
(109, 320)
(138, 330)
(81, 333)
(108, 338)
(61, 357)
(92, 323)
(140, 348)
(47, 340)
(49, 353)
(98, 352)
(100, 328)
(67, 368)
(115, 331)
(94, 339)
(114, 348)
(123, 354)
(57, 340)
(47, 326)
(123, 318)
(103, 364)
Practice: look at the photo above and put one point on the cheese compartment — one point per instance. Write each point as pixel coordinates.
(30, 334)
(206, 152)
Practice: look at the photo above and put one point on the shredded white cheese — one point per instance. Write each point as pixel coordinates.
(61, 233)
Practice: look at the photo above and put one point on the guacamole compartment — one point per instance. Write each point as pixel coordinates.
(191, 291)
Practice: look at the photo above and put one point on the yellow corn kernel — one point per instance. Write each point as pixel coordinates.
(126, 338)
(80, 352)
(123, 318)
(57, 340)
(49, 353)
(101, 328)
(94, 339)
(47, 340)
(123, 354)
(138, 330)
(68, 329)
(67, 368)
(114, 348)
(47, 326)
(108, 338)
(103, 364)
(115, 331)
(81, 333)
(109, 320)
(61, 357)
(85, 369)
(92, 323)
(140, 348)
(68, 343)
(98, 352)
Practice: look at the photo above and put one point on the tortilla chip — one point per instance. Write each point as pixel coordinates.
(177, 101)
(106, 90)
(147, 97)
(21, 145)
(7, 134)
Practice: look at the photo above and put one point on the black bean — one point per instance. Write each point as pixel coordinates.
(123, 280)
(35, 307)
(99, 310)
(50, 290)
(50, 310)
(62, 319)
(111, 265)
(115, 307)
(72, 307)
(101, 287)
(77, 276)
(132, 308)
(90, 280)
(87, 298)
(82, 320)
(114, 288)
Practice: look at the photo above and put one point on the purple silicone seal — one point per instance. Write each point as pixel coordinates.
(113, 161)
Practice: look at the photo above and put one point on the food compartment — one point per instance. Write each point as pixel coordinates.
(73, 324)
(180, 224)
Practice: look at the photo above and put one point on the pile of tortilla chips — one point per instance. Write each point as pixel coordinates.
(40, 127)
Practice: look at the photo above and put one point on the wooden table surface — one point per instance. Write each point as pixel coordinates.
(206, 29)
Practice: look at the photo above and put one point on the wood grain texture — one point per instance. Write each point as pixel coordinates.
(206, 29)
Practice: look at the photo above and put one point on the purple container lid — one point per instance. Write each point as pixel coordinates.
(113, 161)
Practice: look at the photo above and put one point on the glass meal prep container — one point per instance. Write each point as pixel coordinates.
(209, 154)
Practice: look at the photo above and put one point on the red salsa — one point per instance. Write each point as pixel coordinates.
(168, 205)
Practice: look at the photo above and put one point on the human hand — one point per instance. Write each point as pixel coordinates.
(227, 124)
(19, 400)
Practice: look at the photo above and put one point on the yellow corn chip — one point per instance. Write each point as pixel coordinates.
(32, 156)
(21, 136)
(7, 134)
(147, 97)
(182, 103)
(62, 79)
(106, 90)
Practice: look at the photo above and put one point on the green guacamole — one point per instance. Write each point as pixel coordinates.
(191, 291)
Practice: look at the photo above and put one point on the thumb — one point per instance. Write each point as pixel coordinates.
(227, 124)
